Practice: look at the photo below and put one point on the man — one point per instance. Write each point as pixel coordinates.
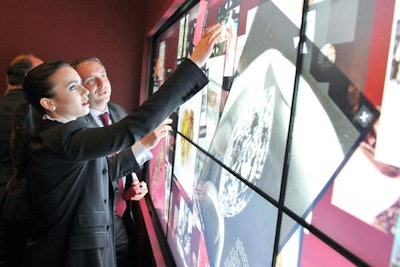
(14, 96)
(94, 78)
(13, 231)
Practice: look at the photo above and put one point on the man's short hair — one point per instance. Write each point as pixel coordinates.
(74, 64)
(17, 70)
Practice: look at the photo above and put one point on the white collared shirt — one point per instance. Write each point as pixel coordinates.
(141, 153)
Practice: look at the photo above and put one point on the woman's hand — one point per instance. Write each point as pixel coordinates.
(152, 139)
(205, 45)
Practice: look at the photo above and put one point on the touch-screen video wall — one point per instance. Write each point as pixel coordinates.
(288, 157)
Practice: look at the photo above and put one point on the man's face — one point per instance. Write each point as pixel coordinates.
(94, 78)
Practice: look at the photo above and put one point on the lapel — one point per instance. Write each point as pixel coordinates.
(90, 120)
(116, 113)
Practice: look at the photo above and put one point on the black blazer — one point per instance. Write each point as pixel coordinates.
(116, 113)
(8, 105)
(69, 172)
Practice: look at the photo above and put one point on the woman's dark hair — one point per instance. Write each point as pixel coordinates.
(37, 83)
(27, 118)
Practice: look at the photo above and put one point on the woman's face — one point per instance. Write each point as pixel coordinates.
(71, 98)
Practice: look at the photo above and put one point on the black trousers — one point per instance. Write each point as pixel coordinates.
(13, 237)
(122, 242)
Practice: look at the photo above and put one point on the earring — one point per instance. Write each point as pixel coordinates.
(53, 108)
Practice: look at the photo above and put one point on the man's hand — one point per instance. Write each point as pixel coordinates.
(136, 192)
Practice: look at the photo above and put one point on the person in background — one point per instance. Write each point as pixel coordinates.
(12, 221)
(94, 78)
(66, 162)
(14, 96)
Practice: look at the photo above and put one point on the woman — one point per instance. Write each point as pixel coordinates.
(66, 165)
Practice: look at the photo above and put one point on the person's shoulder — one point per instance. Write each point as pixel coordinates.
(15, 96)
(16, 92)
(112, 105)
(86, 117)
(86, 121)
(54, 130)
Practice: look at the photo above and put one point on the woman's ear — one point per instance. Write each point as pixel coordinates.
(47, 104)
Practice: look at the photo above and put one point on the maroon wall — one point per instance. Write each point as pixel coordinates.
(54, 29)
(158, 12)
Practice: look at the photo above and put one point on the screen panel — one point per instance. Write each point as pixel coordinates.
(362, 200)
(207, 228)
(331, 115)
(281, 119)
(303, 248)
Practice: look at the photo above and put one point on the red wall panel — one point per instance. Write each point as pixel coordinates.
(110, 30)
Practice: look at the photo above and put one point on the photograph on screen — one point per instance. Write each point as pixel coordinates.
(211, 101)
(331, 117)
(160, 173)
(305, 249)
(158, 183)
(235, 232)
(203, 232)
(165, 57)
(374, 169)
(387, 143)
(181, 235)
(359, 209)
(198, 118)
(252, 127)
(250, 138)
(184, 232)
(188, 127)
(364, 176)
(242, 117)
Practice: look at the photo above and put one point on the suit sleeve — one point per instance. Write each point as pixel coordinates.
(75, 141)
(186, 81)
(122, 164)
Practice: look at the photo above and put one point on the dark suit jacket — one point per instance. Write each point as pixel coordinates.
(69, 176)
(8, 105)
(117, 113)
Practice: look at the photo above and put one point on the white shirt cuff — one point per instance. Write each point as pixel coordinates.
(141, 153)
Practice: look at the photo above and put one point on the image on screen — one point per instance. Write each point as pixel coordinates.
(262, 153)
